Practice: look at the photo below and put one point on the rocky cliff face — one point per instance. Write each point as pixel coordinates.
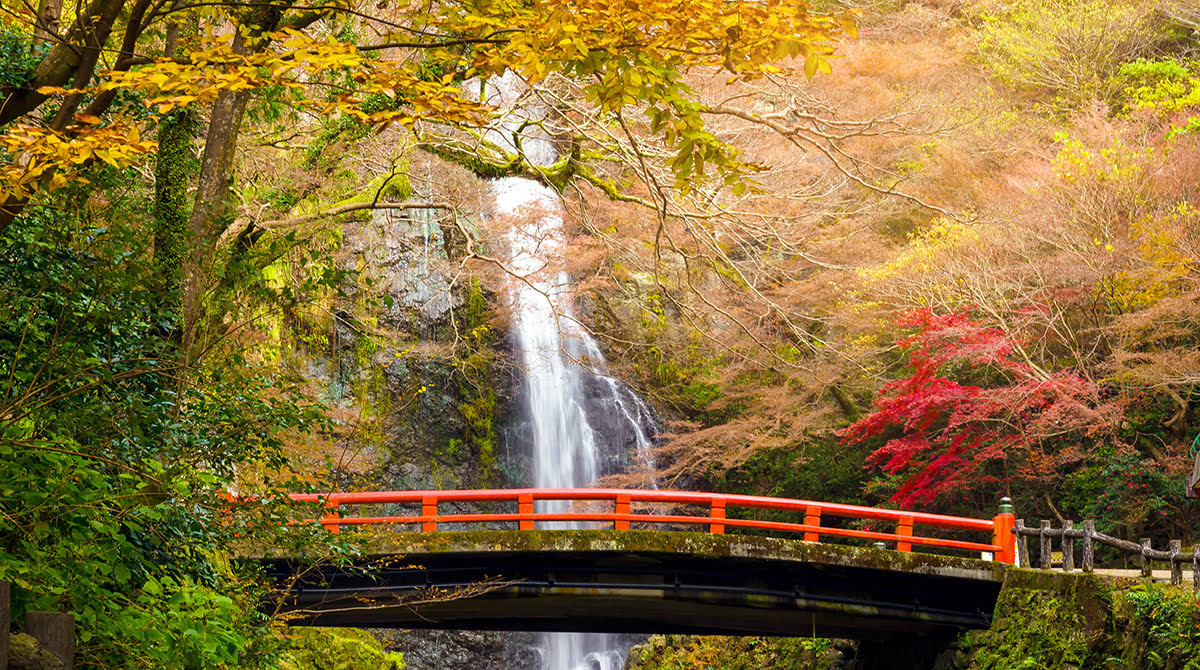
(422, 377)
(419, 369)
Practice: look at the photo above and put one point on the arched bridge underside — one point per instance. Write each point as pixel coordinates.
(640, 581)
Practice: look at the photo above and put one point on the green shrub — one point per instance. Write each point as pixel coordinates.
(1066, 51)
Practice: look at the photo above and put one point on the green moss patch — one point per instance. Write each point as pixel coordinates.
(674, 652)
(336, 649)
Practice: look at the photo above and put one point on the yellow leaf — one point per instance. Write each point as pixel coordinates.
(811, 65)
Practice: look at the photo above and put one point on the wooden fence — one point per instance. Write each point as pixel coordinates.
(54, 631)
(1090, 537)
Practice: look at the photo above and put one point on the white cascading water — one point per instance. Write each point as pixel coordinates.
(554, 350)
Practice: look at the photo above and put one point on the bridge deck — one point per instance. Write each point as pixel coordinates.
(642, 581)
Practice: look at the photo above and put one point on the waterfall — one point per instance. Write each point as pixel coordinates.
(565, 380)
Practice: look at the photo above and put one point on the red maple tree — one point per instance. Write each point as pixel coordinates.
(1016, 423)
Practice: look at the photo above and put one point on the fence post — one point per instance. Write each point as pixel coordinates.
(1147, 564)
(812, 517)
(525, 506)
(331, 515)
(622, 508)
(1044, 545)
(717, 511)
(5, 622)
(1176, 562)
(1068, 546)
(904, 529)
(429, 512)
(1022, 545)
(1089, 551)
(1002, 532)
(56, 632)
(1196, 569)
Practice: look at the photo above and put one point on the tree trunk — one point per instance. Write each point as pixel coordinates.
(62, 61)
(213, 209)
(46, 29)
(173, 167)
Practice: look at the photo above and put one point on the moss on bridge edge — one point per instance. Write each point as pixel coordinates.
(700, 544)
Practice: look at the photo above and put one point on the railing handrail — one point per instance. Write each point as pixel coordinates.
(646, 495)
(1002, 545)
(1175, 557)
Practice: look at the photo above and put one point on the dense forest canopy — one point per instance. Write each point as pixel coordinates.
(920, 253)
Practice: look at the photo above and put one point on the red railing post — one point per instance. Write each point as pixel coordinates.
(525, 506)
(812, 517)
(429, 522)
(904, 529)
(621, 508)
(331, 515)
(716, 510)
(1002, 532)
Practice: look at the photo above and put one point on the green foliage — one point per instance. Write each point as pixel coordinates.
(1165, 86)
(1125, 492)
(1078, 623)
(1039, 624)
(18, 58)
(336, 649)
(1034, 630)
(339, 130)
(679, 370)
(819, 470)
(1163, 630)
(1064, 50)
(111, 458)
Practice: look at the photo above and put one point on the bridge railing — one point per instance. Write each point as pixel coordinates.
(621, 508)
(1142, 553)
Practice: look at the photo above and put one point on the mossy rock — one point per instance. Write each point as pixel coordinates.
(336, 649)
(735, 653)
(24, 653)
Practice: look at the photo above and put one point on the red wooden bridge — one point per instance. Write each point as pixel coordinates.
(609, 560)
(622, 509)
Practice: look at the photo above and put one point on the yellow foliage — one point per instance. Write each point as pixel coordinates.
(17, 16)
(48, 160)
(169, 84)
(1137, 252)
(632, 52)
(1070, 48)
(1159, 266)
(923, 250)
(42, 152)
(1117, 163)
